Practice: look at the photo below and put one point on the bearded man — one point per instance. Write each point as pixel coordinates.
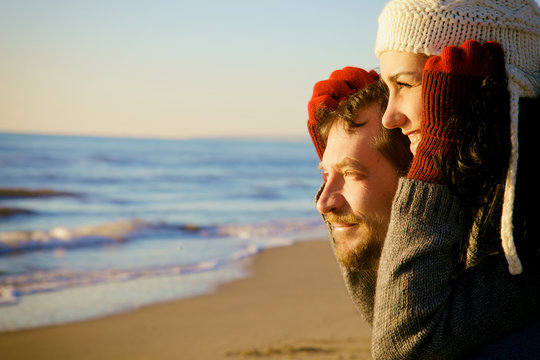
(361, 163)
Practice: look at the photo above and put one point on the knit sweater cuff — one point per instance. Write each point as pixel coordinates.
(424, 165)
(445, 95)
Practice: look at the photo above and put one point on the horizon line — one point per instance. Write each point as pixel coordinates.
(245, 137)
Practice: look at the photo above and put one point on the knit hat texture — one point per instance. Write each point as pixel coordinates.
(428, 26)
(329, 93)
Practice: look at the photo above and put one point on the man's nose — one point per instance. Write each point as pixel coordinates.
(331, 197)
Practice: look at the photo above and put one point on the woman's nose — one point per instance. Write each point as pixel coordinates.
(393, 117)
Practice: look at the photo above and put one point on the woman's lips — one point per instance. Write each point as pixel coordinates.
(414, 138)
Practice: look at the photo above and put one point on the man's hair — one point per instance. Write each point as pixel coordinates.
(392, 144)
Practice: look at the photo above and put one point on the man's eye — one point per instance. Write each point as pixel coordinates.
(401, 84)
(354, 174)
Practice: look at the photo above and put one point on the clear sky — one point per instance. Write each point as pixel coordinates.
(176, 69)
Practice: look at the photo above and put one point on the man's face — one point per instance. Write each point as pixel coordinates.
(359, 187)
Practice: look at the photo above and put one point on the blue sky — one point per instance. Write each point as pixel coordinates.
(175, 69)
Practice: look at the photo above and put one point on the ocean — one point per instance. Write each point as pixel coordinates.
(93, 226)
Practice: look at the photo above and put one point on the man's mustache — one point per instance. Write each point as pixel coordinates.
(344, 218)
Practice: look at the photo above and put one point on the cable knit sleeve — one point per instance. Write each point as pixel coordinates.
(423, 311)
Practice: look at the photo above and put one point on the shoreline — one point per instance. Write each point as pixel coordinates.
(294, 305)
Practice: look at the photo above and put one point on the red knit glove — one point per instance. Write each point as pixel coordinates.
(329, 93)
(450, 82)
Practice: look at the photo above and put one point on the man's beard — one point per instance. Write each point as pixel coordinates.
(361, 250)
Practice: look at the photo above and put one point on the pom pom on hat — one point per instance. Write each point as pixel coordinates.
(329, 93)
(429, 26)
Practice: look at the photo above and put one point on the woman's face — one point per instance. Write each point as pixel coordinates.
(402, 73)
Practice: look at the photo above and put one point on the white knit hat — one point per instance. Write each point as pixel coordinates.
(428, 26)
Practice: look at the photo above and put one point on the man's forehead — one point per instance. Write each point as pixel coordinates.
(348, 145)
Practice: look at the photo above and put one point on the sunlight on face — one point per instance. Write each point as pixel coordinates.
(402, 73)
(359, 186)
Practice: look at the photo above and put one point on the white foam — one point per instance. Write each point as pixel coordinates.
(111, 232)
(86, 302)
(14, 286)
(8, 295)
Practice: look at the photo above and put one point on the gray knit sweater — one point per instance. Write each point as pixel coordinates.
(423, 311)
(420, 309)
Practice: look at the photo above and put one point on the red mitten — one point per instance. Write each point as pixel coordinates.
(450, 83)
(329, 93)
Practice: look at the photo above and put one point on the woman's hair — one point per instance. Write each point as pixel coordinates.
(392, 144)
(482, 161)
(477, 169)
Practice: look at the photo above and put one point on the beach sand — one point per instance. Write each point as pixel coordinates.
(295, 306)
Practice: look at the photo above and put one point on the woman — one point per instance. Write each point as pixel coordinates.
(446, 284)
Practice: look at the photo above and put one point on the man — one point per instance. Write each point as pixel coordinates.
(361, 164)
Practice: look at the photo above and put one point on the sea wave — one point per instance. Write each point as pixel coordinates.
(64, 237)
(14, 286)
(123, 230)
(252, 239)
(10, 193)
